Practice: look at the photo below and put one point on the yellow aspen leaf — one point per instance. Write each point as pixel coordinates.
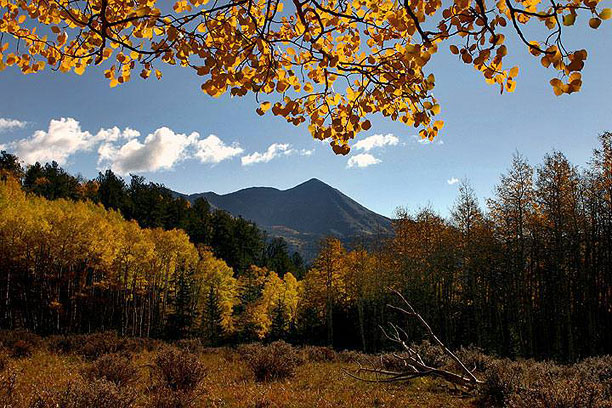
(158, 74)
(569, 19)
(435, 109)
(263, 108)
(594, 23)
(80, 70)
(605, 14)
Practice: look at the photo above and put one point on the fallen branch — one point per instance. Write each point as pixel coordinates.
(415, 365)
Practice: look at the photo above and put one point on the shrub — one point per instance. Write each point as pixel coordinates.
(95, 345)
(114, 368)
(391, 362)
(179, 370)
(432, 354)
(22, 349)
(349, 356)
(275, 361)
(319, 354)
(9, 337)
(19, 343)
(163, 397)
(560, 393)
(4, 360)
(527, 384)
(474, 358)
(190, 345)
(502, 379)
(62, 344)
(95, 394)
(8, 387)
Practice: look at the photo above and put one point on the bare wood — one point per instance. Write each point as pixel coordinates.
(415, 365)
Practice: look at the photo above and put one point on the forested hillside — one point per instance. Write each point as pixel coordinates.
(528, 274)
(238, 242)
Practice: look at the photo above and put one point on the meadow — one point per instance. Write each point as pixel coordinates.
(103, 370)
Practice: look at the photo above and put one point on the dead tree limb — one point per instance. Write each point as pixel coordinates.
(415, 365)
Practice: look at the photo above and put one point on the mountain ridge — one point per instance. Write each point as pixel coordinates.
(302, 214)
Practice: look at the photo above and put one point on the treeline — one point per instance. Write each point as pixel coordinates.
(76, 267)
(530, 274)
(238, 242)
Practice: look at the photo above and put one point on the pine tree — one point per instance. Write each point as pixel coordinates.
(212, 318)
(180, 320)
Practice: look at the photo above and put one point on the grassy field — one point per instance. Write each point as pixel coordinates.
(105, 371)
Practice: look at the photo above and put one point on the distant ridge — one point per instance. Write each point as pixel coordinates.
(303, 214)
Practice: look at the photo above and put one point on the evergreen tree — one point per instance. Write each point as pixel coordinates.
(212, 319)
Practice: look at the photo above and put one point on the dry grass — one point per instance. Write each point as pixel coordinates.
(162, 375)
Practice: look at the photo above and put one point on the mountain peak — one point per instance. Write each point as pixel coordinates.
(303, 214)
(312, 183)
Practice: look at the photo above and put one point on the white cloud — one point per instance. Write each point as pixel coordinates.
(274, 150)
(306, 152)
(120, 150)
(63, 138)
(362, 160)
(214, 150)
(114, 134)
(373, 141)
(426, 141)
(161, 150)
(452, 180)
(10, 124)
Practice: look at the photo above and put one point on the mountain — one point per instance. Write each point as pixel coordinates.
(303, 214)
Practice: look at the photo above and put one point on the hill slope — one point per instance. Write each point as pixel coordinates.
(302, 214)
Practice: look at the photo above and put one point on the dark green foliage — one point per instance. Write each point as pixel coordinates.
(180, 321)
(10, 166)
(51, 181)
(276, 257)
(112, 191)
(212, 329)
(280, 325)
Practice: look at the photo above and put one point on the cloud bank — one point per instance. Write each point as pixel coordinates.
(123, 151)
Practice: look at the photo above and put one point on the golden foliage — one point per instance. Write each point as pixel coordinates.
(331, 63)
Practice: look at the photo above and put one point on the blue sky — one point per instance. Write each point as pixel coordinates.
(483, 129)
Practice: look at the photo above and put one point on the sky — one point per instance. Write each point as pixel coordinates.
(172, 133)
